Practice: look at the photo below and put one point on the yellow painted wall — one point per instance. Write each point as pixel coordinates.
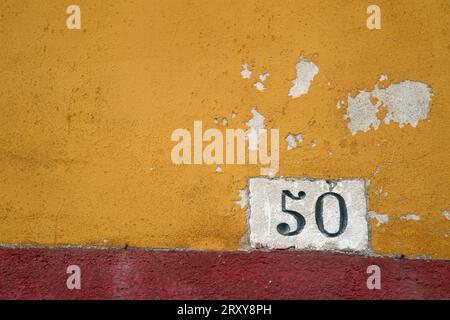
(86, 116)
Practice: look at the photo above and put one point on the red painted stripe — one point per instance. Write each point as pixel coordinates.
(141, 274)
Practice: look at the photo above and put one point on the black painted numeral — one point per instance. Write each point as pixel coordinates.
(283, 228)
(342, 212)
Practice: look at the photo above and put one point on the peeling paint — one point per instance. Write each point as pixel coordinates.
(381, 218)
(224, 122)
(255, 124)
(362, 113)
(292, 140)
(378, 191)
(410, 217)
(246, 73)
(259, 86)
(244, 198)
(218, 169)
(446, 214)
(263, 77)
(313, 143)
(407, 102)
(306, 71)
(291, 143)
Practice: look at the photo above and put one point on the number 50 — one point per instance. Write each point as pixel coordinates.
(284, 228)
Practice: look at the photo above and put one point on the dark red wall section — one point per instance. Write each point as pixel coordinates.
(142, 274)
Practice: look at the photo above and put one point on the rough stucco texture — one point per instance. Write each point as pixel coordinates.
(86, 116)
(139, 274)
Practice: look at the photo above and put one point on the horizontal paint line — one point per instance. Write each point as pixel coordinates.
(141, 274)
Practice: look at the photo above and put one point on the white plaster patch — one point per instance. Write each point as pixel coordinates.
(407, 102)
(306, 71)
(381, 218)
(362, 113)
(446, 214)
(255, 124)
(246, 73)
(268, 221)
(410, 217)
(244, 198)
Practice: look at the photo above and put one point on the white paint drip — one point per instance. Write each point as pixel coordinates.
(407, 102)
(244, 198)
(255, 124)
(306, 71)
(381, 218)
(246, 73)
(410, 217)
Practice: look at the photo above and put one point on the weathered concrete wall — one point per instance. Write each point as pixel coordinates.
(87, 116)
